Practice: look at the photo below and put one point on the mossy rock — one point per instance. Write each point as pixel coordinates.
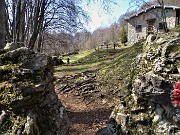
(26, 85)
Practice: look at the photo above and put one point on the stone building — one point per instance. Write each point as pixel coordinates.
(151, 20)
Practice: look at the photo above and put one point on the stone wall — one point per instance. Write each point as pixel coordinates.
(171, 18)
(28, 102)
(147, 108)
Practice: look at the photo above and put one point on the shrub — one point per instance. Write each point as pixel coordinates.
(124, 37)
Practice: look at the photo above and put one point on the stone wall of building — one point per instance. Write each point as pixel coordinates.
(171, 18)
(134, 36)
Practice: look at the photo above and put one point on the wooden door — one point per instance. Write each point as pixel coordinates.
(150, 26)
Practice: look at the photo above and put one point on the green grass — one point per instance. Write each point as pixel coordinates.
(116, 75)
(112, 66)
(71, 69)
(99, 56)
(89, 60)
(78, 56)
(176, 29)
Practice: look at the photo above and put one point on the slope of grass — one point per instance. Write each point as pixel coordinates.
(99, 56)
(78, 56)
(112, 66)
(88, 60)
(116, 76)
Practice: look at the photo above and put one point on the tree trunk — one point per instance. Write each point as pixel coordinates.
(38, 22)
(14, 21)
(2, 24)
(39, 46)
(164, 17)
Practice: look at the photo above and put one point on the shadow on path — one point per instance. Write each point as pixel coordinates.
(91, 117)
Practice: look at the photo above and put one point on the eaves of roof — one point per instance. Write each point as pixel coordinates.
(152, 7)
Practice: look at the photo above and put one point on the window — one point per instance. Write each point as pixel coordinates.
(161, 25)
(167, 13)
(138, 28)
(157, 14)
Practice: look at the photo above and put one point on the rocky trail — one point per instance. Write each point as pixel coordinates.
(86, 117)
(87, 110)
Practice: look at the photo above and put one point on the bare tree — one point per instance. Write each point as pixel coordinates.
(29, 19)
(113, 34)
(2, 23)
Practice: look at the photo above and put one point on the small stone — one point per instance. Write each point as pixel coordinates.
(2, 116)
(157, 118)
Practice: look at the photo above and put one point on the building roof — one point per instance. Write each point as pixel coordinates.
(152, 7)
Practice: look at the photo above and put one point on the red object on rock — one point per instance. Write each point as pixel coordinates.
(177, 85)
(176, 93)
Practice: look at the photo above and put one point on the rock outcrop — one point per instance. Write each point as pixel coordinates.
(28, 102)
(146, 108)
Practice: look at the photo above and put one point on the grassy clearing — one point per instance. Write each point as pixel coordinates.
(71, 69)
(99, 56)
(89, 60)
(78, 56)
(112, 66)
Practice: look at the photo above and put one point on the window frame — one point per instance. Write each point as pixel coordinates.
(138, 28)
(161, 25)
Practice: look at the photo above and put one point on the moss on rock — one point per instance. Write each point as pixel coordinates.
(147, 102)
(27, 95)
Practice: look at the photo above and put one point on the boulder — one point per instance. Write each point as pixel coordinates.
(151, 86)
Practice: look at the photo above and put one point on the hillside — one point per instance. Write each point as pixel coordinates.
(89, 86)
(136, 82)
(132, 85)
(109, 66)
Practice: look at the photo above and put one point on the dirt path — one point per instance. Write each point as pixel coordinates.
(86, 117)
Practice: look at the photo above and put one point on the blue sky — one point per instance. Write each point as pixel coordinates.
(101, 19)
